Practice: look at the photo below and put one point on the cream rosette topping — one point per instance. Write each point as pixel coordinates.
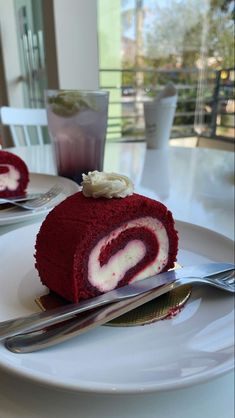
(100, 184)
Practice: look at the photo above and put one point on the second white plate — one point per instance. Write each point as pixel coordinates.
(38, 183)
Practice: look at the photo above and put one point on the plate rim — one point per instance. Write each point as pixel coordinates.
(107, 388)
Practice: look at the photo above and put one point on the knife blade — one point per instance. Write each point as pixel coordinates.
(44, 319)
(47, 337)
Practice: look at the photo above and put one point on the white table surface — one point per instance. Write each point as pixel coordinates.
(198, 186)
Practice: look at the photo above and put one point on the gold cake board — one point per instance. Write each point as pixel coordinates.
(165, 306)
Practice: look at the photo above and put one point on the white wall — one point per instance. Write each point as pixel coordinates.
(76, 43)
(10, 51)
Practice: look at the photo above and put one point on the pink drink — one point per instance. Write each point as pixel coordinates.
(77, 128)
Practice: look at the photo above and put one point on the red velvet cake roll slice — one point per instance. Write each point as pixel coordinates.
(90, 244)
(14, 175)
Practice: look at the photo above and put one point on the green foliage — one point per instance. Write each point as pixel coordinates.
(181, 29)
(182, 37)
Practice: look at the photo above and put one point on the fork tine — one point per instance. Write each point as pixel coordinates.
(50, 193)
(46, 198)
(225, 280)
(230, 278)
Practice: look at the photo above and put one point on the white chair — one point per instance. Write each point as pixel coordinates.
(21, 122)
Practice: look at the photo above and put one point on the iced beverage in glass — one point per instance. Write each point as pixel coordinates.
(77, 124)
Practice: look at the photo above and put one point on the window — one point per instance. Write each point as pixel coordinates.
(144, 44)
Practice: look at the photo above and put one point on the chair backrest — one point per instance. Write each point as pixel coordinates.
(21, 122)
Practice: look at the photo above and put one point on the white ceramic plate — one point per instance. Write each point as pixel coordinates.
(193, 347)
(38, 183)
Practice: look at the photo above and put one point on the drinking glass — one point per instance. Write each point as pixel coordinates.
(77, 124)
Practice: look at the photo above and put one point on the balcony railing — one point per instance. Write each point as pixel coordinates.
(213, 110)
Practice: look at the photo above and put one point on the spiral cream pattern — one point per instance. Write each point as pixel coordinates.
(107, 277)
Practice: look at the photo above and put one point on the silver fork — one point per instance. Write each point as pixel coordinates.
(49, 336)
(220, 280)
(43, 200)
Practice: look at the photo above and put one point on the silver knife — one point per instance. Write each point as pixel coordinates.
(44, 319)
(43, 338)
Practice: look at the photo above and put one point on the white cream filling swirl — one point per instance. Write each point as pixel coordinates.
(10, 179)
(100, 184)
(107, 277)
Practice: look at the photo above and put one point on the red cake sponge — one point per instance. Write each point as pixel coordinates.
(88, 246)
(14, 175)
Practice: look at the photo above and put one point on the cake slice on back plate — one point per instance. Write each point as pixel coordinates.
(14, 175)
(104, 237)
